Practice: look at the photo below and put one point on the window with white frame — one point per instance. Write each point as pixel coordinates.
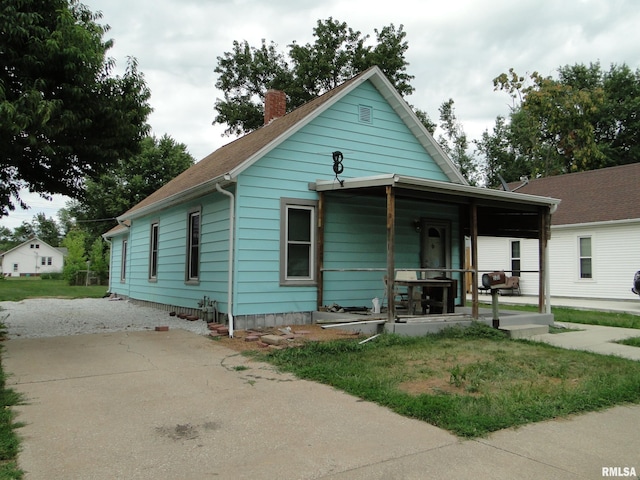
(586, 258)
(297, 242)
(15, 267)
(515, 258)
(193, 246)
(153, 252)
(123, 263)
(46, 260)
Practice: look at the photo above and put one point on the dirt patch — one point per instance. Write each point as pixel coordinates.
(295, 335)
(430, 386)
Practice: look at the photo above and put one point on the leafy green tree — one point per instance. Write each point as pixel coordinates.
(583, 120)
(76, 259)
(40, 226)
(337, 54)
(63, 116)
(128, 182)
(6, 240)
(500, 157)
(454, 141)
(99, 258)
(46, 229)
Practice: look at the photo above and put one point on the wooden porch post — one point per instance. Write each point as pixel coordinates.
(391, 221)
(542, 257)
(475, 309)
(320, 249)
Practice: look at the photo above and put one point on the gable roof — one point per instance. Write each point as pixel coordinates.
(604, 195)
(31, 240)
(226, 163)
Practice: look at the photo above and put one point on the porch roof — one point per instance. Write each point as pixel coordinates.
(500, 213)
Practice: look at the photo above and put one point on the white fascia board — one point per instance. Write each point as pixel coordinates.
(414, 183)
(199, 190)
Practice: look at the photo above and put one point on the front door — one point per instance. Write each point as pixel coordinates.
(435, 247)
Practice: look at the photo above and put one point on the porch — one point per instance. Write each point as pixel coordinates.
(457, 214)
(370, 323)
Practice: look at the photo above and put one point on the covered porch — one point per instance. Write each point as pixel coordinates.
(441, 216)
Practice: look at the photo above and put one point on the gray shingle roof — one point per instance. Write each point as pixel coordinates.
(607, 194)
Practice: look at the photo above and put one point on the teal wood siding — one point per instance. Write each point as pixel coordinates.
(384, 146)
(355, 237)
(115, 264)
(170, 286)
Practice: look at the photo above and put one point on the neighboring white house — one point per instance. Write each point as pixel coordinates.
(33, 257)
(594, 249)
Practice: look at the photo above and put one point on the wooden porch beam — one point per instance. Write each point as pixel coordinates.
(320, 249)
(542, 258)
(391, 222)
(475, 308)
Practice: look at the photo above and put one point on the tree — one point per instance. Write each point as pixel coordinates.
(76, 259)
(63, 116)
(128, 182)
(454, 141)
(583, 120)
(337, 54)
(99, 258)
(6, 241)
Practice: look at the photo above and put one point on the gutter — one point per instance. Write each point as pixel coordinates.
(231, 248)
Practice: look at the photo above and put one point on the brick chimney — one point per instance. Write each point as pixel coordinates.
(275, 105)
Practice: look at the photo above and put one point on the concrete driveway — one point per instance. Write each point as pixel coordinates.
(164, 405)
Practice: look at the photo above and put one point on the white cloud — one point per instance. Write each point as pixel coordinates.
(455, 50)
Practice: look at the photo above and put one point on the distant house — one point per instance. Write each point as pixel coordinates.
(594, 249)
(321, 206)
(33, 257)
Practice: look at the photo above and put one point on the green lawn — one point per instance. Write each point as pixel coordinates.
(470, 382)
(9, 440)
(588, 317)
(17, 289)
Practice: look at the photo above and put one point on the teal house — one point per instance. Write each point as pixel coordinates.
(321, 206)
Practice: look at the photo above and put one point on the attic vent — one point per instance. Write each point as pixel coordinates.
(365, 114)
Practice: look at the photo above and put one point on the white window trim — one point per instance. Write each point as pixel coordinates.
(579, 259)
(123, 261)
(285, 205)
(512, 258)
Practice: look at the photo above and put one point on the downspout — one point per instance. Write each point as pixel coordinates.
(231, 244)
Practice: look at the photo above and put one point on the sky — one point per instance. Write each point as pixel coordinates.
(456, 49)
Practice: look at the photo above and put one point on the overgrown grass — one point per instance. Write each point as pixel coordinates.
(17, 289)
(9, 441)
(469, 381)
(633, 341)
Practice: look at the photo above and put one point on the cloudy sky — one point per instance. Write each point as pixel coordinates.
(456, 48)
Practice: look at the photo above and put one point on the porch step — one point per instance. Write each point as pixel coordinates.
(524, 331)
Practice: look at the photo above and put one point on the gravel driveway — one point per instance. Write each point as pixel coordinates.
(54, 317)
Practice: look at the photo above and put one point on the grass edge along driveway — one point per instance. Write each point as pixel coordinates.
(470, 381)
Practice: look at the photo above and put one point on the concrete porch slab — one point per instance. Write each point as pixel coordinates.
(524, 331)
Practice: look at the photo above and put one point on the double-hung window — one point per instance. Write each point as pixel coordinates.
(515, 258)
(193, 246)
(297, 242)
(123, 264)
(586, 259)
(153, 252)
